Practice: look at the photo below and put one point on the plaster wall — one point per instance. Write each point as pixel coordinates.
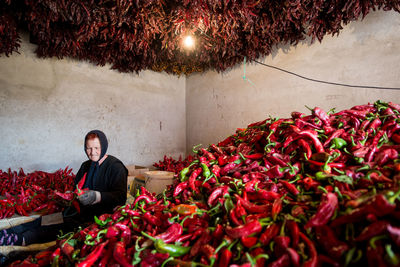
(48, 105)
(365, 53)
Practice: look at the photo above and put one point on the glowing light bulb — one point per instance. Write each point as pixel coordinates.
(188, 41)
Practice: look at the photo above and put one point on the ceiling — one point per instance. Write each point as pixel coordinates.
(133, 35)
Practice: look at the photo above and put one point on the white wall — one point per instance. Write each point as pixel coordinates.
(48, 105)
(365, 53)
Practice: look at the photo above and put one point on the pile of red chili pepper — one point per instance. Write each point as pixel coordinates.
(38, 191)
(310, 190)
(172, 165)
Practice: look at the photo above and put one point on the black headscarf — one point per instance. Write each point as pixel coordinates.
(94, 165)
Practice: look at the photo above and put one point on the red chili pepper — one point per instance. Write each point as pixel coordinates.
(290, 187)
(313, 258)
(282, 261)
(322, 115)
(264, 195)
(152, 219)
(112, 232)
(80, 184)
(276, 172)
(146, 198)
(41, 207)
(240, 211)
(222, 160)
(251, 207)
(171, 234)
(126, 231)
(324, 260)
(309, 183)
(294, 232)
(306, 147)
(210, 156)
(217, 193)
(328, 240)
(180, 187)
(120, 254)
(216, 170)
(278, 159)
(234, 218)
(205, 238)
(374, 229)
(248, 241)
(396, 138)
(43, 258)
(294, 257)
(228, 168)
(93, 256)
(337, 165)
(244, 230)
(218, 232)
(276, 208)
(184, 238)
(225, 258)
(254, 156)
(66, 196)
(107, 256)
(192, 179)
(67, 248)
(385, 155)
(281, 244)
(325, 211)
(374, 125)
(313, 135)
(259, 253)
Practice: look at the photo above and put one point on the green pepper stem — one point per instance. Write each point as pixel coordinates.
(152, 238)
(323, 189)
(195, 147)
(393, 198)
(392, 256)
(374, 239)
(167, 260)
(100, 234)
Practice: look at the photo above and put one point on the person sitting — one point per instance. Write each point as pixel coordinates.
(106, 183)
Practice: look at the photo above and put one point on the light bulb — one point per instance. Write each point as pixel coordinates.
(188, 41)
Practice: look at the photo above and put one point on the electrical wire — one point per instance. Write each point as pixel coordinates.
(331, 83)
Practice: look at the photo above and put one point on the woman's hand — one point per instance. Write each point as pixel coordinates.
(89, 198)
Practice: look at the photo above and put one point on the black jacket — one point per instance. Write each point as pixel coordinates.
(111, 182)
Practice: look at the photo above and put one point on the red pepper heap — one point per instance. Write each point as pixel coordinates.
(172, 165)
(38, 191)
(316, 190)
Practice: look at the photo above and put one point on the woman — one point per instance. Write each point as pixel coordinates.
(105, 177)
(105, 187)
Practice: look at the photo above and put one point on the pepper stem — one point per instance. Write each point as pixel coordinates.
(374, 239)
(195, 147)
(152, 238)
(393, 198)
(394, 260)
(167, 260)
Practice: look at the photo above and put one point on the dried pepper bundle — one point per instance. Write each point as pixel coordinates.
(138, 35)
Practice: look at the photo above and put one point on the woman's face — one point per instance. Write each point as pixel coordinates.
(93, 149)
